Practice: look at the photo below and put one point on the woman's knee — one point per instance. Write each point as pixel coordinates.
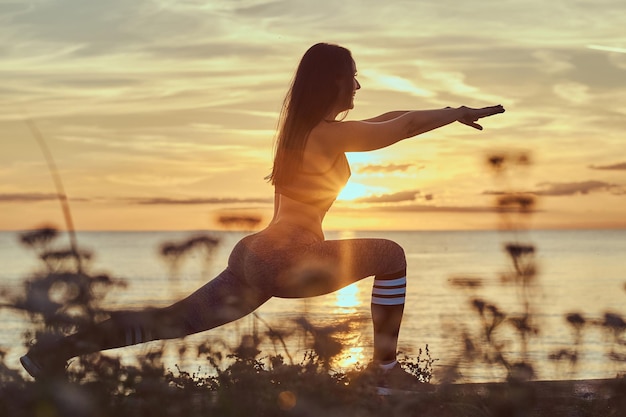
(395, 254)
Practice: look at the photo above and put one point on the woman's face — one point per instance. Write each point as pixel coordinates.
(355, 84)
(348, 90)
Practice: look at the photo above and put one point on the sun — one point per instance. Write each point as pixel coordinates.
(352, 191)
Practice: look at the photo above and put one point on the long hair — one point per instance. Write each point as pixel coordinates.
(322, 71)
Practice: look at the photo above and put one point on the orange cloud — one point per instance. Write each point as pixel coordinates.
(390, 198)
(574, 188)
(617, 167)
(366, 169)
(26, 197)
(194, 201)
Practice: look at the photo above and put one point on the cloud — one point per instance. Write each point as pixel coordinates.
(575, 188)
(452, 82)
(40, 197)
(90, 81)
(573, 92)
(561, 189)
(607, 48)
(213, 50)
(396, 83)
(96, 26)
(423, 208)
(596, 70)
(26, 197)
(197, 201)
(372, 168)
(613, 167)
(390, 198)
(552, 62)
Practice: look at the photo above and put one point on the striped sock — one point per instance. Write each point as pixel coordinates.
(137, 334)
(389, 290)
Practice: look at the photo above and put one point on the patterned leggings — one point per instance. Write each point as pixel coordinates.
(283, 261)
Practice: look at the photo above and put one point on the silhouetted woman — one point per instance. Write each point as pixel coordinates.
(290, 258)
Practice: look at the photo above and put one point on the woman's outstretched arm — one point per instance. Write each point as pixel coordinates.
(359, 136)
(386, 116)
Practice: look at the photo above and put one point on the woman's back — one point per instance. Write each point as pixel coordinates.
(307, 194)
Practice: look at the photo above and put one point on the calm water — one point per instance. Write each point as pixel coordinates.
(580, 271)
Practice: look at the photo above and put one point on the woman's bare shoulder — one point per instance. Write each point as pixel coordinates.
(352, 135)
(331, 137)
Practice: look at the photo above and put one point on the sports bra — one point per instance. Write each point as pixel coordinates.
(318, 189)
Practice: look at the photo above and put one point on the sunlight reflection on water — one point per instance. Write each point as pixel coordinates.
(347, 298)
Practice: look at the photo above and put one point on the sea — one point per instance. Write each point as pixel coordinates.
(450, 273)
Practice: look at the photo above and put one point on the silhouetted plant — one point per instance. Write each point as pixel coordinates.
(614, 324)
(470, 283)
(513, 205)
(571, 355)
(322, 340)
(38, 239)
(419, 366)
(175, 253)
(66, 295)
(277, 336)
(489, 346)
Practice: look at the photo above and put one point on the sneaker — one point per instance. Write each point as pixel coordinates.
(40, 368)
(397, 381)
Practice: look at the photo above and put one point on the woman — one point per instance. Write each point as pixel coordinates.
(290, 258)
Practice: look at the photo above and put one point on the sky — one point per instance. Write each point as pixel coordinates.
(161, 114)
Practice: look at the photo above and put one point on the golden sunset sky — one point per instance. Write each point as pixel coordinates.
(160, 114)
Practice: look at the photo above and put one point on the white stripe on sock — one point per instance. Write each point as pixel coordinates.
(389, 291)
(388, 366)
(389, 282)
(388, 301)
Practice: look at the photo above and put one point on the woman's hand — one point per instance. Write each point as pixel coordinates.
(469, 116)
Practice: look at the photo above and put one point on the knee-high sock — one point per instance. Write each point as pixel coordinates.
(122, 329)
(388, 296)
(222, 300)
